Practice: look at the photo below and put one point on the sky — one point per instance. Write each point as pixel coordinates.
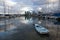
(20, 6)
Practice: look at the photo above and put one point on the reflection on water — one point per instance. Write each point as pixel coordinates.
(52, 25)
(23, 27)
(39, 20)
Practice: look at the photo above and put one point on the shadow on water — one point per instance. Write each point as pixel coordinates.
(43, 35)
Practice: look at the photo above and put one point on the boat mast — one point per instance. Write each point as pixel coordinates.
(4, 15)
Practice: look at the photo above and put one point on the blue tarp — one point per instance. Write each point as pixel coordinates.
(56, 14)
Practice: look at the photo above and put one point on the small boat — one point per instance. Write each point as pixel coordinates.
(41, 29)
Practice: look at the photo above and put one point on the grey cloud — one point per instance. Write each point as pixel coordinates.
(35, 4)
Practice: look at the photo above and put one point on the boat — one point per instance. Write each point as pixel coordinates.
(40, 29)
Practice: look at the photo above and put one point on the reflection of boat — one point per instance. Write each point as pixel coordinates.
(58, 19)
(41, 29)
(57, 23)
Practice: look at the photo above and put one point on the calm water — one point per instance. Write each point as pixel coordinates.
(21, 28)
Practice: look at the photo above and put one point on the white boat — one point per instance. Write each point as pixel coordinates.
(41, 29)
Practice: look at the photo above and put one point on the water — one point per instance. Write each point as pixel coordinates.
(21, 28)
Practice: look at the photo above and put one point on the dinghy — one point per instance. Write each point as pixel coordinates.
(41, 29)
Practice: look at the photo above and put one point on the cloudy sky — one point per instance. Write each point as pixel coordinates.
(18, 6)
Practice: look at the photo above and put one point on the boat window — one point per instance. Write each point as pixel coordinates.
(37, 26)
